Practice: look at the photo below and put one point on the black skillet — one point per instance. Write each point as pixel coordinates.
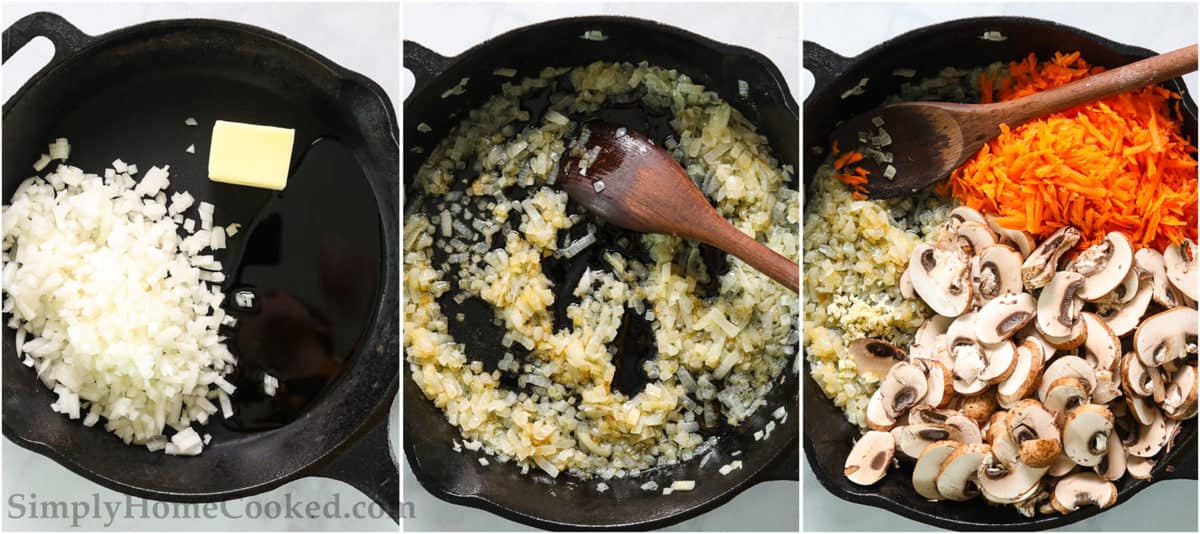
(317, 255)
(568, 503)
(828, 437)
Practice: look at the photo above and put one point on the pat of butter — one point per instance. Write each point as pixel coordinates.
(250, 154)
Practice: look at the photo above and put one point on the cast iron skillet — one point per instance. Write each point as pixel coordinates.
(567, 503)
(324, 262)
(828, 437)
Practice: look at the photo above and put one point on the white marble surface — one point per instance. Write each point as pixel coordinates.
(360, 37)
(773, 30)
(1165, 506)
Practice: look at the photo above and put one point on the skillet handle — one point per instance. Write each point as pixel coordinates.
(424, 63)
(369, 465)
(67, 39)
(825, 64)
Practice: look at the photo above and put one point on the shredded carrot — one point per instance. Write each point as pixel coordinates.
(1120, 164)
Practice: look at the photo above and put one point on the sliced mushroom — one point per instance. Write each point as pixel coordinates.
(940, 383)
(1064, 395)
(1151, 266)
(1166, 336)
(1084, 488)
(904, 386)
(1063, 366)
(1151, 438)
(1061, 466)
(1139, 467)
(979, 408)
(870, 458)
(876, 418)
(911, 440)
(1041, 264)
(1007, 483)
(1027, 373)
(1142, 409)
(997, 272)
(1058, 310)
(974, 236)
(875, 357)
(1180, 399)
(1003, 316)
(924, 413)
(1001, 359)
(1124, 291)
(1103, 265)
(1023, 241)
(1032, 428)
(929, 466)
(929, 336)
(941, 277)
(970, 358)
(906, 288)
(1102, 348)
(957, 479)
(1085, 434)
(1108, 387)
(1182, 266)
(1003, 447)
(1136, 379)
(962, 214)
(1124, 318)
(1112, 467)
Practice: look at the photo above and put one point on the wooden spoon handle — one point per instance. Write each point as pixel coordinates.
(1138, 74)
(728, 238)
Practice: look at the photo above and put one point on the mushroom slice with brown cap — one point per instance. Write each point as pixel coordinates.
(1142, 409)
(1007, 483)
(957, 479)
(1058, 309)
(1151, 438)
(924, 413)
(960, 215)
(1139, 468)
(1084, 488)
(1182, 266)
(1103, 265)
(974, 236)
(876, 418)
(912, 439)
(875, 357)
(1124, 318)
(1041, 264)
(1108, 387)
(1064, 395)
(1152, 267)
(1001, 359)
(1026, 374)
(1061, 466)
(979, 408)
(929, 465)
(1102, 347)
(1003, 447)
(1180, 399)
(941, 277)
(1003, 316)
(1085, 434)
(940, 383)
(1136, 379)
(1062, 366)
(1166, 336)
(870, 458)
(996, 271)
(1033, 429)
(929, 337)
(1023, 241)
(1112, 466)
(904, 386)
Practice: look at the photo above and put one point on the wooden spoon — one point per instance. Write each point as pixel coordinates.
(634, 184)
(931, 139)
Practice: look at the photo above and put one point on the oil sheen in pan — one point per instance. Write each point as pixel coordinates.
(634, 342)
(311, 258)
